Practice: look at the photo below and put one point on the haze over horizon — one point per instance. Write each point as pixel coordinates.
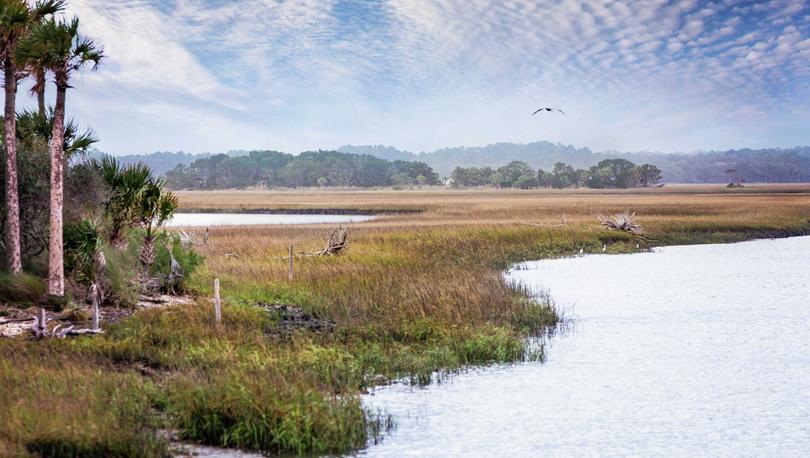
(426, 74)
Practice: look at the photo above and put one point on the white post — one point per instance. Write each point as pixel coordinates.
(217, 302)
(41, 321)
(290, 273)
(95, 297)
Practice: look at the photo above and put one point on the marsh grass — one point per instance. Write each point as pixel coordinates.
(415, 296)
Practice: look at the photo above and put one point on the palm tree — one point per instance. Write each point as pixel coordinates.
(33, 140)
(16, 18)
(156, 207)
(62, 51)
(126, 186)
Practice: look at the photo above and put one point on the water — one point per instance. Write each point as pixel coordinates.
(253, 219)
(691, 350)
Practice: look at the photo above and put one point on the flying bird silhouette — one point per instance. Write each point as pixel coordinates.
(547, 109)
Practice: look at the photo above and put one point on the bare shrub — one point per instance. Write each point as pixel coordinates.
(623, 221)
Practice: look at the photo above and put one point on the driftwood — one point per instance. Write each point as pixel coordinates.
(17, 320)
(61, 333)
(191, 239)
(624, 221)
(338, 241)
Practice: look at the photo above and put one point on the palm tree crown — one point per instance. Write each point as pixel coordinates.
(56, 45)
(16, 17)
(33, 128)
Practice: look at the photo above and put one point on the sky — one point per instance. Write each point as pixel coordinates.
(654, 75)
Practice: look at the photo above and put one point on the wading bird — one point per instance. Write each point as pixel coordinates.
(547, 109)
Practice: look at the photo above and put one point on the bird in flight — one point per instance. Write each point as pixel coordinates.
(547, 109)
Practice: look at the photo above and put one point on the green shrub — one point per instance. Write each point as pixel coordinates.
(188, 259)
(122, 284)
(22, 290)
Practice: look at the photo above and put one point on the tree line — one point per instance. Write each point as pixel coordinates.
(768, 165)
(608, 173)
(312, 168)
(88, 226)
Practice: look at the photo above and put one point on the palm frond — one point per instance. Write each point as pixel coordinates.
(32, 128)
(83, 255)
(79, 143)
(43, 8)
(15, 19)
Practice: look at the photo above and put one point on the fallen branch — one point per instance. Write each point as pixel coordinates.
(338, 241)
(191, 239)
(16, 320)
(61, 333)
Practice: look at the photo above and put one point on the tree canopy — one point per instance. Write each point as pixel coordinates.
(311, 168)
(609, 173)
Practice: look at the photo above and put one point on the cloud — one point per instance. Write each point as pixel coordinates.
(649, 74)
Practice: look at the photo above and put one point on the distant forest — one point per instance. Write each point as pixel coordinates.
(312, 168)
(772, 165)
(608, 173)
(753, 166)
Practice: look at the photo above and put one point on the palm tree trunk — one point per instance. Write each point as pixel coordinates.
(12, 192)
(56, 264)
(40, 92)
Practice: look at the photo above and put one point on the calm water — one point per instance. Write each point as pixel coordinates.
(253, 219)
(694, 350)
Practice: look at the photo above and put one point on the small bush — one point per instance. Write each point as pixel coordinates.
(21, 290)
(188, 259)
(121, 284)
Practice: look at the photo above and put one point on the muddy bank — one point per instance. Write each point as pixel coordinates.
(291, 318)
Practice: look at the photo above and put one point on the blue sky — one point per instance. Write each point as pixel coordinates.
(215, 75)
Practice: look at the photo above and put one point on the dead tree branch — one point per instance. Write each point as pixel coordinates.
(337, 243)
(624, 221)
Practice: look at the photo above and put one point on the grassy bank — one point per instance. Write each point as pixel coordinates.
(414, 293)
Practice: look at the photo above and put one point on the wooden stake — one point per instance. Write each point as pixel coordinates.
(94, 294)
(42, 321)
(290, 273)
(217, 302)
